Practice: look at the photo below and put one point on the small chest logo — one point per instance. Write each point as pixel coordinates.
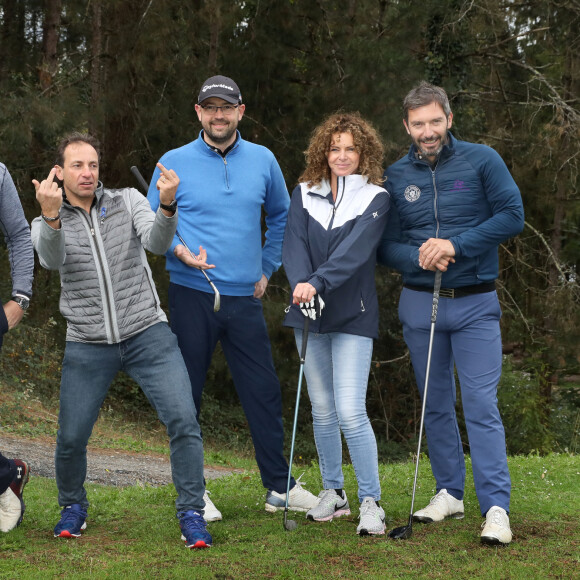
(412, 193)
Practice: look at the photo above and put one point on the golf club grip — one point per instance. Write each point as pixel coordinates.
(135, 171)
(436, 289)
(304, 339)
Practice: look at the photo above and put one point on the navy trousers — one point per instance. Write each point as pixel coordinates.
(241, 329)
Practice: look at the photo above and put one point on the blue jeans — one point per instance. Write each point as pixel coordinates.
(152, 358)
(336, 368)
(467, 336)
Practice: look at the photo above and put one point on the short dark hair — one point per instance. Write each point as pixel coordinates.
(76, 137)
(424, 94)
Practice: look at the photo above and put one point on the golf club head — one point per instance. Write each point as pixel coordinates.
(289, 525)
(217, 300)
(402, 533)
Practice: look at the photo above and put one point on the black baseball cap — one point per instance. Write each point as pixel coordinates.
(222, 87)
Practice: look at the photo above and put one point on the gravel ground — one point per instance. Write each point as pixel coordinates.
(105, 466)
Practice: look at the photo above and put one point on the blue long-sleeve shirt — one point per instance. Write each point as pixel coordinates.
(219, 202)
(468, 198)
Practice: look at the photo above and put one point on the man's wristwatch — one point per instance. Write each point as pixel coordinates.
(172, 207)
(22, 301)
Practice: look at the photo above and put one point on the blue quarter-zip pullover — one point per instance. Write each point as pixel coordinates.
(219, 202)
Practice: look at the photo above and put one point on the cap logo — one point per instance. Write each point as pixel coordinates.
(412, 193)
(221, 86)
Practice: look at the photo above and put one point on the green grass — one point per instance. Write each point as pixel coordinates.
(133, 533)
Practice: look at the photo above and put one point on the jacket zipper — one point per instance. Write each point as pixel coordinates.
(108, 310)
(226, 171)
(224, 159)
(436, 193)
(335, 204)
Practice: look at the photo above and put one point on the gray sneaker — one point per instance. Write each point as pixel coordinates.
(330, 505)
(372, 518)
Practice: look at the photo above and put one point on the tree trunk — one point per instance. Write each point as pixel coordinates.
(50, 28)
(96, 77)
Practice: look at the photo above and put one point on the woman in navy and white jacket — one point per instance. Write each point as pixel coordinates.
(337, 216)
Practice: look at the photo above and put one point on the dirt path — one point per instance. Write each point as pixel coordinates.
(105, 466)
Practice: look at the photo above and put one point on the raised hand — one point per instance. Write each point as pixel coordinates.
(167, 184)
(48, 195)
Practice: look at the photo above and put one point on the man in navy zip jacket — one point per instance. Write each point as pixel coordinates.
(452, 204)
(224, 183)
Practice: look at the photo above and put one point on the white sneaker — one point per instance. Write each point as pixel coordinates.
(10, 510)
(440, 507)
(210, 512)
(372, 518)
(11, 503)
(496, 528)
(299, 499)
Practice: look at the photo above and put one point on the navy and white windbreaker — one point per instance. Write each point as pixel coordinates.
(468, 198)
(332, 245)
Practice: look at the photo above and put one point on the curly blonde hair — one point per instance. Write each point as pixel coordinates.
(366, 140)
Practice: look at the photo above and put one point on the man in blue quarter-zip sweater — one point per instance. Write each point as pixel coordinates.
(224, 183)
(452, 204)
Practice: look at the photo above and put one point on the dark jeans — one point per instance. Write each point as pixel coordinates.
(240, 328)
(153, 360)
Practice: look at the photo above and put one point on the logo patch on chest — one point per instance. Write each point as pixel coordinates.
(412, 193)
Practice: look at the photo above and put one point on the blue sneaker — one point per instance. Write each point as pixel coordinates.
(193, 530)
(72, 521)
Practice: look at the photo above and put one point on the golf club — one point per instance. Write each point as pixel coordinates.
(290, 525)
(405, 532)
(217, 298)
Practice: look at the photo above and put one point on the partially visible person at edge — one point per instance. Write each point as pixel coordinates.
(14, 473)
(225, 181)
(96, 238)
(337, 216)
(454, 202)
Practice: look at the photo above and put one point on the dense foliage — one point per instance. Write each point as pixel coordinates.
(129, 71)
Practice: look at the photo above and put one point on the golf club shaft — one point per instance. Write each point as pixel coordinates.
(145, 186)
(435, 305)
(301, 374)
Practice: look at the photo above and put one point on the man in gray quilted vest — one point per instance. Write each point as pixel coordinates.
(96, 238)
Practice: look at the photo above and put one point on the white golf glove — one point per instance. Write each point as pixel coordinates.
(312, 309)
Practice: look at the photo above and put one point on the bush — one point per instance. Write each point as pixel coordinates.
(524, 411)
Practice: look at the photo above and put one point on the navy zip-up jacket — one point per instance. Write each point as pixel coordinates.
(468, 198)
(332, 245)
